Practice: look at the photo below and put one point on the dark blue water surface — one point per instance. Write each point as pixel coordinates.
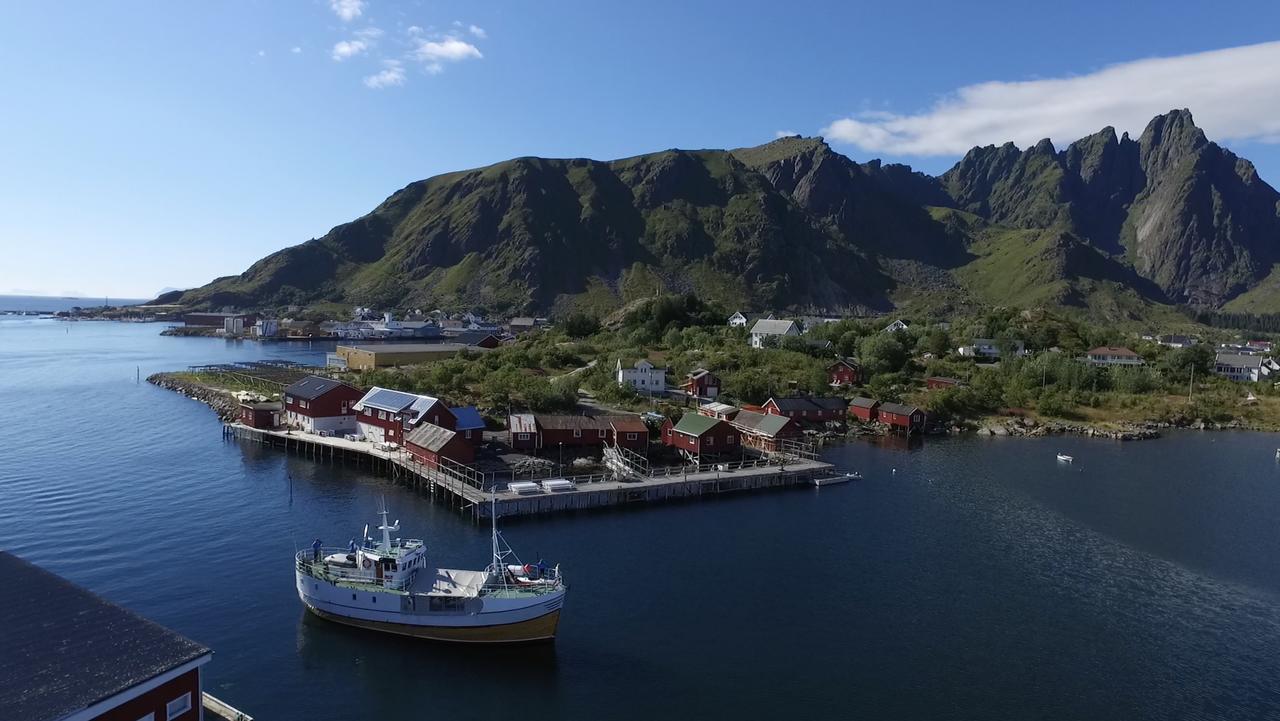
(970, 578)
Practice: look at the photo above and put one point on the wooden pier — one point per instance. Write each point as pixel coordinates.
(476, 494)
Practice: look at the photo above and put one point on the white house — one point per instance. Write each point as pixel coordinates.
(766, 329)
(1176, 341)
(1243, 367)
(1114, 356)
(738, 320)
(896, 326)
(987, 348)
(643, 376)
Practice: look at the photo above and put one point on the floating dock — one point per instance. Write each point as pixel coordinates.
(476, 494)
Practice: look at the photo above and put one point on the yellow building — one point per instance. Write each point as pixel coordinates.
(386, 355)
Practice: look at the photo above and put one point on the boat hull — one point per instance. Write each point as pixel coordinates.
(475, 619)
(541, 628)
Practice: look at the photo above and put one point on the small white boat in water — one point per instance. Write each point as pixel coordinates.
(833, 480)
(1065, 458)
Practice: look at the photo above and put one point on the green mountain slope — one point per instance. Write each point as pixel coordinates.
(1112, 225)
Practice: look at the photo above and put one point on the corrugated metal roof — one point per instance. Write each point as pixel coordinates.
(468, 418)
(430, 437)
(628, 424)
(774, 327)
(1238, 360)
(861, 402)
(66, 648)
(695, 424)
(898, 408)
(522, 423)
(766, 424)
(570, 423)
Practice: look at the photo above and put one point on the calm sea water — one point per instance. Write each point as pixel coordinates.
(971, 578)
(50, 304)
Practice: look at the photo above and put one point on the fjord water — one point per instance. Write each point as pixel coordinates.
(965, 578)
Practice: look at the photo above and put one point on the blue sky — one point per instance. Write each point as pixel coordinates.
(163, 144)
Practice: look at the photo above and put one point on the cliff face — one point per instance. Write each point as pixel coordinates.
(1186, 213)
(1169, 217)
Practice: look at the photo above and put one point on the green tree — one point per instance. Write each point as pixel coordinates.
(883, 353)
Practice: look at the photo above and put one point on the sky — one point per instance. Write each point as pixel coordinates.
(149, 145)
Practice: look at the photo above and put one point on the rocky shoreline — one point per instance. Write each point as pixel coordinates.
(222, 402)
(1027, 427)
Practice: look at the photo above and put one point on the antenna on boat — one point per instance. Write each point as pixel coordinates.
(493, 524)
(385, 528)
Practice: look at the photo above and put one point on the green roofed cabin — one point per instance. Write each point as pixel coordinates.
(700, 435)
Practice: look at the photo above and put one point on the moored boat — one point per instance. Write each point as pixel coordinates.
(1065, 458)
(389, 586)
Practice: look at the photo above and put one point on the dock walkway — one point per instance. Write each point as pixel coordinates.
(477, 494)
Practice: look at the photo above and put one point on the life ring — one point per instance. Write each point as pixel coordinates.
(366, 563)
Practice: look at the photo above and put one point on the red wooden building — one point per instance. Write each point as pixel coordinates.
(70, 654)
(907, 419)
(321, 405)
(808, 409)
(844, 372)
(702, 383)
(384, 415)
(864, 409)
(265, 414)
(429, 443)
(630, 432)
(522, 432)
(469, 424)
(530, 432)
(700, 435)
(936, 382)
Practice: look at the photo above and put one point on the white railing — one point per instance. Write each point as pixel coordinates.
(311, 563)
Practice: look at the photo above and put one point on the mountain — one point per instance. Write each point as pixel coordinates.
(1110, 224)
(528, 233)
(1181, 210)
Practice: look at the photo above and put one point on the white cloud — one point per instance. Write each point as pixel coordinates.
(414, 30)
(478, 31)
(348, 10)
(392, 74)
(295, 50)
(784, 133)
(365, 39)
(450, 50)
(1233, 93)
(344, 49)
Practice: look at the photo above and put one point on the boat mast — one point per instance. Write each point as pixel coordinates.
(387, 529)
(493, 524)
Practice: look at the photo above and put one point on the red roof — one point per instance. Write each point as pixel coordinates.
(1113, 350)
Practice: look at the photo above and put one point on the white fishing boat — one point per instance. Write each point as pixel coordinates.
(1064, 458)
(390, 587)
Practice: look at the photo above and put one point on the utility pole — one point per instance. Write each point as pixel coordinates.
(1192, 385)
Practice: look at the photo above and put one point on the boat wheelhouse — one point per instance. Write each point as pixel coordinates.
(390, 586)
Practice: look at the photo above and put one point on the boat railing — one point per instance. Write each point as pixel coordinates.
(312, 564)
